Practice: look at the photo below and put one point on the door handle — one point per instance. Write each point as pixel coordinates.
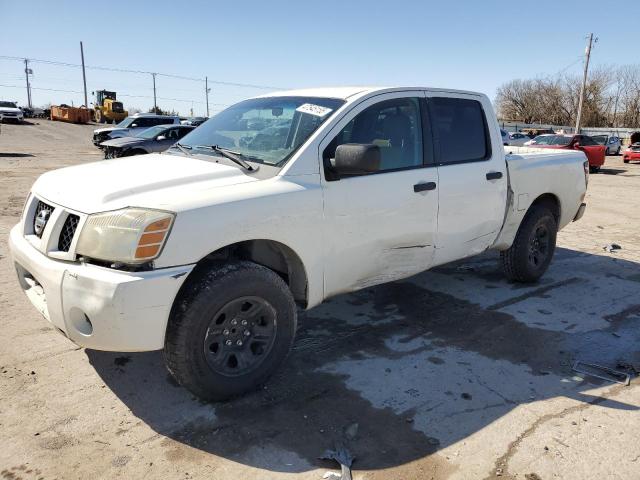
(421, 187)
(494, 175)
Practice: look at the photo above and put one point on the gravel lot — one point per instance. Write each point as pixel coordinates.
(452, 374)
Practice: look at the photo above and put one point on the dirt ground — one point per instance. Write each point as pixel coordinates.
(453, 374)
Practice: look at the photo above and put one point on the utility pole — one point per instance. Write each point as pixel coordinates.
(84, 77)
(584, 81)
(206, 92)
(27, 71)
(155, 105)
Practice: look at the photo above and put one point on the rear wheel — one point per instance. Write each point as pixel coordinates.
(230, 330)
(594, 169)
(532, 250)
(607, 151)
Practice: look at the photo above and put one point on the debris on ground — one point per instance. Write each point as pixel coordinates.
(341, 455)
(602, 372)
(611, 247)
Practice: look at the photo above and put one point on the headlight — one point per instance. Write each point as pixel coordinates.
(130, 235)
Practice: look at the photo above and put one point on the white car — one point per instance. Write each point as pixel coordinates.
(612, 142)
(132, 125)
(9, 111)
(518, 139)
(278, 203)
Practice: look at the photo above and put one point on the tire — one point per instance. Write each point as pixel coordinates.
(607, 151)
(196, 350)
(594, 169)
(529, 256)
(618, 151)
(626, 161)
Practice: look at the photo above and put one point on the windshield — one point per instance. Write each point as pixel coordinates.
(126, 122)
(266, 130)
(151, 132)
(542, 139)
(8, 105)
(601, 139)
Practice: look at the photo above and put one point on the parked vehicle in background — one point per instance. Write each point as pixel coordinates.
(9, 112)
(505, 137)
(131, 125)
(632, 153)
(280, 202)
(612, 143)
(154, 139)
(538, 139)
(534, 132)
(595, 152)
(517, 139)
(195, 121)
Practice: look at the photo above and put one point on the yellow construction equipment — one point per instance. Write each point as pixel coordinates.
(107, 109)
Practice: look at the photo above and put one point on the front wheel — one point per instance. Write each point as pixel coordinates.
(532, 250)
(230, 330)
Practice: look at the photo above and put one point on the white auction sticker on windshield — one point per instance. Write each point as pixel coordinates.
(312, 109)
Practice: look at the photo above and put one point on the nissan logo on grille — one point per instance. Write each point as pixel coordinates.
(41, 221)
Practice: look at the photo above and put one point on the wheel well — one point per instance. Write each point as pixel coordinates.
(550, 201)
(268, 253)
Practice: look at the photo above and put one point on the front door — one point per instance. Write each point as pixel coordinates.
(380, 226)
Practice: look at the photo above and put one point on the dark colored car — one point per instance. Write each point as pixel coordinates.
(151, 140)
(594, 151)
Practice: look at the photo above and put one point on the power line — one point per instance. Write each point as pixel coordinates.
(142, 72)
(185, 100)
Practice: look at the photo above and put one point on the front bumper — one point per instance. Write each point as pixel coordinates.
(16, 118)
(97, 307)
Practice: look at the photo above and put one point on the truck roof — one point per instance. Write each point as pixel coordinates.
(344, 93)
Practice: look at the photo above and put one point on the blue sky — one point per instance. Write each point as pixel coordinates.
(474, 45)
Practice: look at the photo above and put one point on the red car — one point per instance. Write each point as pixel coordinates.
(594, 151)
(632, 154)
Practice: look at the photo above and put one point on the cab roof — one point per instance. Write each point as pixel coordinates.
(345, 93)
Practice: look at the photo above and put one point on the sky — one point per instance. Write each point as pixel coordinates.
(464, 44)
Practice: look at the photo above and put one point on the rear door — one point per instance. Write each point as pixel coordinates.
(380, 226)
(472, 174)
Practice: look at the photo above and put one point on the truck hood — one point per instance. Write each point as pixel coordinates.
(123, 142)
(154, 181)
(10, 110)
(109, 130)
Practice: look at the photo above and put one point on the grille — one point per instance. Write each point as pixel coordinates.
(39, 208)
(68, 231)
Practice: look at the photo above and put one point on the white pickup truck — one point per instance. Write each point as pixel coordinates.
(281, 201)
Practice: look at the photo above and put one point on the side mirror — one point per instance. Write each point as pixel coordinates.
(357, 159)
(576, 145)
(161, 137)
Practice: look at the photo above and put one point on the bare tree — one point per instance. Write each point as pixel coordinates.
(612, 96)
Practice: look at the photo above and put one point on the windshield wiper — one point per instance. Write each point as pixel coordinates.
(230, 154)
(183, 148)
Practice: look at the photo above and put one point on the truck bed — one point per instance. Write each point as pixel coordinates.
(533, 172)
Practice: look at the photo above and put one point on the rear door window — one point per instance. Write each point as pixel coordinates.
(460, 130)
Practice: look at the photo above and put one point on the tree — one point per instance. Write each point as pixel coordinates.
(612, 98)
